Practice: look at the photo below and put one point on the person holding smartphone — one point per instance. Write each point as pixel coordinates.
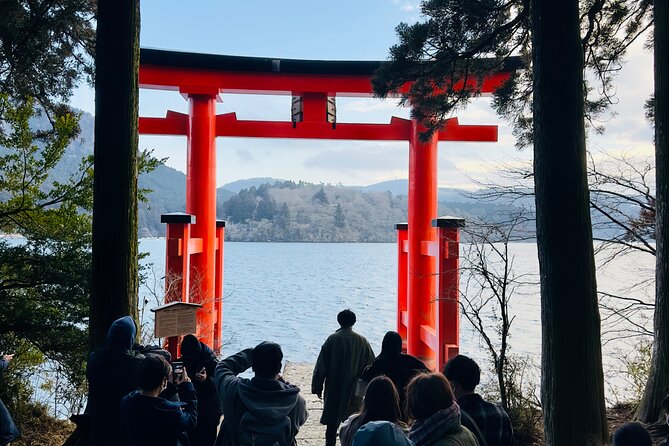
(200, 363)
(150, 419)
(8, 430)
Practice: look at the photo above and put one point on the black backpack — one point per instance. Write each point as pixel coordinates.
(254, 432)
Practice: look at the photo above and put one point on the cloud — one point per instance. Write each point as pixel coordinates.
(245, 156)
(361, 158)
(369, 105)
(409, 7)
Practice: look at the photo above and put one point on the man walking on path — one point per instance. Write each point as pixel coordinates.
(262, 410)
(488, 421)
(342, 359)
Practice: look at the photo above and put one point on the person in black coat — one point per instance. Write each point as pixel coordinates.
(200, 363)
(148, 419)
(112, 374)
(8, 430)
(394, 364)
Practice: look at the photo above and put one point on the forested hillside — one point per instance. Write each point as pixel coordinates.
(289, 211)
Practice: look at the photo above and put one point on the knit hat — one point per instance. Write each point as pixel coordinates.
(190, 346)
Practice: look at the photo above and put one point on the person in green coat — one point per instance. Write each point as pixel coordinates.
(342, 359)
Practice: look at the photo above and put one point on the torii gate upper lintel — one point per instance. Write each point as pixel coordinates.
(195, 248)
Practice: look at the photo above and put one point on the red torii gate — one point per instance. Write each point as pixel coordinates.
(195, 239)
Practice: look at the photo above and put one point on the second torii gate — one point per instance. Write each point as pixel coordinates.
(195, 242)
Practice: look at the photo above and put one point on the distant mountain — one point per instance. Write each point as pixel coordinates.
(265, 208)
(401, 187)
(236, 186)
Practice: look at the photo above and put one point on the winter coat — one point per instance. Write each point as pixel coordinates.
(208, 404)
(267, 399)
(150, 420)
(399, 368)
(112, 374)
(342, 359)
(8, 430)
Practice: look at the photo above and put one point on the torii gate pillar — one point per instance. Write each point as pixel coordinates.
(422, 210)
(201, 202)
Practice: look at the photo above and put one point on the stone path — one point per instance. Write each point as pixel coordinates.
(312, 433)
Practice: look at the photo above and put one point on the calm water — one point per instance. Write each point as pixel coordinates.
(291, 292)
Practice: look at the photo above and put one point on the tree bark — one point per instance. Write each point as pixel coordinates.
(572, 384)
(114, 263)
(657, 386)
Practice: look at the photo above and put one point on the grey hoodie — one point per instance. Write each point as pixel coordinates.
(268, 401)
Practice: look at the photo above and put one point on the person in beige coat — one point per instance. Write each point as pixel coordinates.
(342, 359)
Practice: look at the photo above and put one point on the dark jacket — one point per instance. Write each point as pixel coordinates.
(343, 357)
(148, 420)
(267, 399)
(208, 405)
(400, 368)
(492, 421)
(8, 430)
(112, 374)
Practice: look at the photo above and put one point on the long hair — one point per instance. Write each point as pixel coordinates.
(428, 393)
(381, 403)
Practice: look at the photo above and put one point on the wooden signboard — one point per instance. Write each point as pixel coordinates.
(174, 319)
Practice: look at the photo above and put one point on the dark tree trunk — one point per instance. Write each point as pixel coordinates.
(657, 386)
(114, 287)
(572, 384)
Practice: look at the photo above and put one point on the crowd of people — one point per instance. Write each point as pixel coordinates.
(139, 396)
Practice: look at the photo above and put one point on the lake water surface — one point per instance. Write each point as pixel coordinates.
(290, 293)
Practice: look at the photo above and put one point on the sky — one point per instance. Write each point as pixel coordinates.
(343, 30)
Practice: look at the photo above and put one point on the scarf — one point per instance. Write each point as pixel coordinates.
(430, 430)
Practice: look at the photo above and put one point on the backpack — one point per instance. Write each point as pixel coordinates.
(254, 432)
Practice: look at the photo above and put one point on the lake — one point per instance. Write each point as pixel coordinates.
(290, 293)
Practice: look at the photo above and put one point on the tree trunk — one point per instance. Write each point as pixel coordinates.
(115, 275)
(572, 385)
(657, 386)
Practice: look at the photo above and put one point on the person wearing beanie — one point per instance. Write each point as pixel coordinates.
(112, 372)
(200, 362)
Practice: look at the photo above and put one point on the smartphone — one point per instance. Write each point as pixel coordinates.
(177, 370)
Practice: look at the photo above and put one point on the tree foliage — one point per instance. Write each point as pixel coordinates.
(45, 277)
(458, 43)
(45, 48)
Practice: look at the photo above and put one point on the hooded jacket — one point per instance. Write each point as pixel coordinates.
(268, 401)
(112, 374)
